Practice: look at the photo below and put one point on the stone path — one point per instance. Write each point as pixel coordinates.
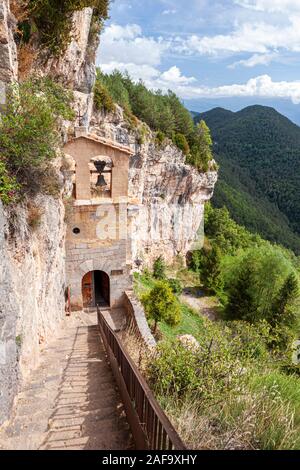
(71, 400)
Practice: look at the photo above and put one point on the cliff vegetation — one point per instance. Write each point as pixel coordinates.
(224, 371)
(30, 138)
(49, 23)
(163, 113)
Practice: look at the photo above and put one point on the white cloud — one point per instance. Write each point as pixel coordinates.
(174, 76)
(259, 38)
(169, 12)
(270, 5)
(126, 44)
(137, 72)
(261, 86)
(151, 76)
(254, 60)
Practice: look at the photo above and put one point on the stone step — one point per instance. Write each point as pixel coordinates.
(71, 400)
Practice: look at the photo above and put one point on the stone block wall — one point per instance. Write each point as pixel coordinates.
(101, 245)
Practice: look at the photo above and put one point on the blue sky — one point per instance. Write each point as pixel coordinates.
(225, 52)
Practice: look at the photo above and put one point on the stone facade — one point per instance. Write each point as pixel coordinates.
(97, 248)
(97, 239)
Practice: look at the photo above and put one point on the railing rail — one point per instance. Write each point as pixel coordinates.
(150, 426)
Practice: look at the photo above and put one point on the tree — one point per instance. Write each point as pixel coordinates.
(253, 283)
(240, 303)
(284, 311)
(201, 147)
(181, 142)
(161, 304)
(102, 98)
(159, 268)
(210, 268)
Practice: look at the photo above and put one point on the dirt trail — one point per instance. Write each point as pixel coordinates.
(197, 299)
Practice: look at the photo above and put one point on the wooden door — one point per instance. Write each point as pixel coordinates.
(88, 290)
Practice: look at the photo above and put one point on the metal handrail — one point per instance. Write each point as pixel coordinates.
(149, 424)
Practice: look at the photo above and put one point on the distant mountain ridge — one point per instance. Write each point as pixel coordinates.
(258, 150)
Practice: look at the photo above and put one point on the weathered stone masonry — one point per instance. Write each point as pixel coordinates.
(97, 229)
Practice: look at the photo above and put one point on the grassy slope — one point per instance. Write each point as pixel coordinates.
(268, 402)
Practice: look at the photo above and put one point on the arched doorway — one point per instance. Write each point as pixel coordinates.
(95, 289)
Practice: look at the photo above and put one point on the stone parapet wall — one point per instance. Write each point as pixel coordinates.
(136, 315)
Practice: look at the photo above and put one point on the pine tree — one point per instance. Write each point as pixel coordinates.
(159, 269)
(161, 304)
(283, 311)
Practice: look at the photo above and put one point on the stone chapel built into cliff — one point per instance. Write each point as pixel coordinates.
(97, 247)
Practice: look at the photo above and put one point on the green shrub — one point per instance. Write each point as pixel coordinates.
(159, 268)
(173, 369)
(8, 185)
(176, 286)
(102, 98)
(161, 304)
(29, 134)
(207, 372)
(51, 21)
(181, 142)
(253, 281)
(160, 138)
(201, 147)
(249, 342)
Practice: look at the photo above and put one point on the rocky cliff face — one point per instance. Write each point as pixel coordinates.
(167, 196)
(32, 271)
(76, 68)
(32, 284)
(8, 50)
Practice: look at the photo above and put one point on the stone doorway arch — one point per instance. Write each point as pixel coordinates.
(96, 289)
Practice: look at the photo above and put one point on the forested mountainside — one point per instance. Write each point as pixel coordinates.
(258, 150)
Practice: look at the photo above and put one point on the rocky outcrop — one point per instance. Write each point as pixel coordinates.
(32, 284)
(167, 196)
(8, 50)
(76, 67)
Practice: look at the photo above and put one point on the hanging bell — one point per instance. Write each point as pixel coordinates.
(101, 182)
(99, 165)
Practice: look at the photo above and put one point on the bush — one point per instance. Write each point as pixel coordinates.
(51, 21)
(159, 268)
(161, 304)
(254, 282)
(173, 369)
(8, 185)
(180, 141)
(176, 286)
(206, 373)
(160, 138)
(102, 98)
(29, 136)
(34, 216)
